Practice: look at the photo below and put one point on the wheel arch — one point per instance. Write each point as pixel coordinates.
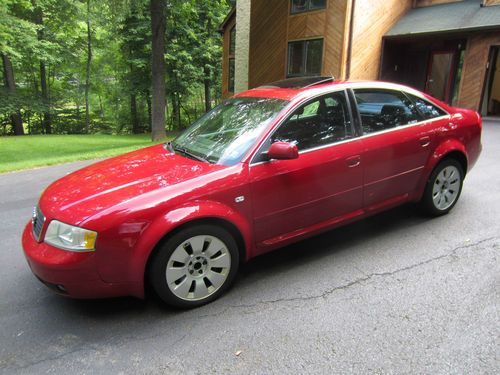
(458, 156)
(227, 225)
(452, 149)
(176, 220)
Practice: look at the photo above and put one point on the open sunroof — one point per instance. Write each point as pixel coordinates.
(298, 82)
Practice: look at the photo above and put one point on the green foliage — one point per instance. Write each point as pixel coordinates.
(54, 33)
(17, 35)
(193, 42)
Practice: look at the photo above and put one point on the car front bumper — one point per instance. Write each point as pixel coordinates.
(69, 273)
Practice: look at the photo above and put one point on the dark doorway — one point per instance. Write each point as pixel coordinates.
(490, 104)
(439, 75)
(430, 66)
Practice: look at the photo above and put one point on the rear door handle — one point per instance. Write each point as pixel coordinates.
(425, 141)
(353, 161)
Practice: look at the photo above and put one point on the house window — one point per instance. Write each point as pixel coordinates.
(304, 58)
(231, 62)
(299, 6)
(232, 41)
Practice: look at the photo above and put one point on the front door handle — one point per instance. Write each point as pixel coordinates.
(353, 161)
(425, 141)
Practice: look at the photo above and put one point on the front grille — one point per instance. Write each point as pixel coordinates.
(37, 220)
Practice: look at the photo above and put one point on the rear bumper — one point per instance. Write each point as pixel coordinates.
(73, 274)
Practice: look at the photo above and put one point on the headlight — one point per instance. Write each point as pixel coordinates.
(68, 237)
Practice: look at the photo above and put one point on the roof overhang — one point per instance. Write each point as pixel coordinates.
(228, 18)
(458, 17)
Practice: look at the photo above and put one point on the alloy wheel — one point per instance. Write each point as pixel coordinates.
(198, 267)
(446, 187)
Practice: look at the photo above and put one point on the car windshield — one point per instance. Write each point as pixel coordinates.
(226, 133)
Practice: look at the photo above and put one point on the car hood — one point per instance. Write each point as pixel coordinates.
(83, 193)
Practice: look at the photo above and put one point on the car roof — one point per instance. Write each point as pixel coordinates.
(305, 87)
(288, 89)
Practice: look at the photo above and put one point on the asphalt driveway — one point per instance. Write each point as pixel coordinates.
(397, 293)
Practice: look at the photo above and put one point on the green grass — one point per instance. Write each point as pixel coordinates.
(24, 152)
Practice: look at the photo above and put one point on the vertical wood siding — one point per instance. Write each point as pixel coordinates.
(474, 69)
(267, 41)
(371, 22)
(273, 27)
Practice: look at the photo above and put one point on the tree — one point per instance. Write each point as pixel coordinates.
(158, 69)
(38, 18)
(87, 71)
(81, 68)
(209, 51)
(16, 37)
(136, 49)
(10, 84)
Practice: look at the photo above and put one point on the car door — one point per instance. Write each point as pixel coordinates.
(396, 142)
(324, 185)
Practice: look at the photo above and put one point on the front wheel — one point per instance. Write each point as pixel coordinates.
(443, 188)
(195, 266)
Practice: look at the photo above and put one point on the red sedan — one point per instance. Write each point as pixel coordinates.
(266, 168)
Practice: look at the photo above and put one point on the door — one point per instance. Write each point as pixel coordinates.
(397, 141)
(490, 103)
(291, 197)
(440, 74)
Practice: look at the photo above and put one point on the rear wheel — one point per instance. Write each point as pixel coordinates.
(195, 266)
(443, 188)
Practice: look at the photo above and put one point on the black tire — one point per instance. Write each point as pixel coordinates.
(198, 258)
(428, 204)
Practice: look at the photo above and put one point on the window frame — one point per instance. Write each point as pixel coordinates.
(308, 8)
(357, 116)
(231, 58)
(266, 143)
(403, 94)
(305, 47)
(421, 114)
(355, 120)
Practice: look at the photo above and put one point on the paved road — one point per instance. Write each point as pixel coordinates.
(396, 293)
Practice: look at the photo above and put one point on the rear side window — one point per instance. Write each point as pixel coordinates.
(384, 109)
(427, 109)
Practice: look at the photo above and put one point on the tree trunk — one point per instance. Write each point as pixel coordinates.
(28, 117)
(208, 98)
(133, 114)
(47, 121)
(157, 8)
(87, 75)
(77, 111)
(10, 83)
(101, 107)
(179, 106)
(148, 103)
(175, 111)
(185, 111)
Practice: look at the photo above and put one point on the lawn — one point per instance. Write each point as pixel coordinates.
(32, 151)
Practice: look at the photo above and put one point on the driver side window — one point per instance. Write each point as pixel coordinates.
(322, 121)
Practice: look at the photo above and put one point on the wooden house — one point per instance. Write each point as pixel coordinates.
(448, 48)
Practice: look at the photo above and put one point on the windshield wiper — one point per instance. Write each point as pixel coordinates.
(185, 152)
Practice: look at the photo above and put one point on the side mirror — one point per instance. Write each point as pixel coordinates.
(283, 151)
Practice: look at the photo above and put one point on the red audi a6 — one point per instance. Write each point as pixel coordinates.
(266, 168)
